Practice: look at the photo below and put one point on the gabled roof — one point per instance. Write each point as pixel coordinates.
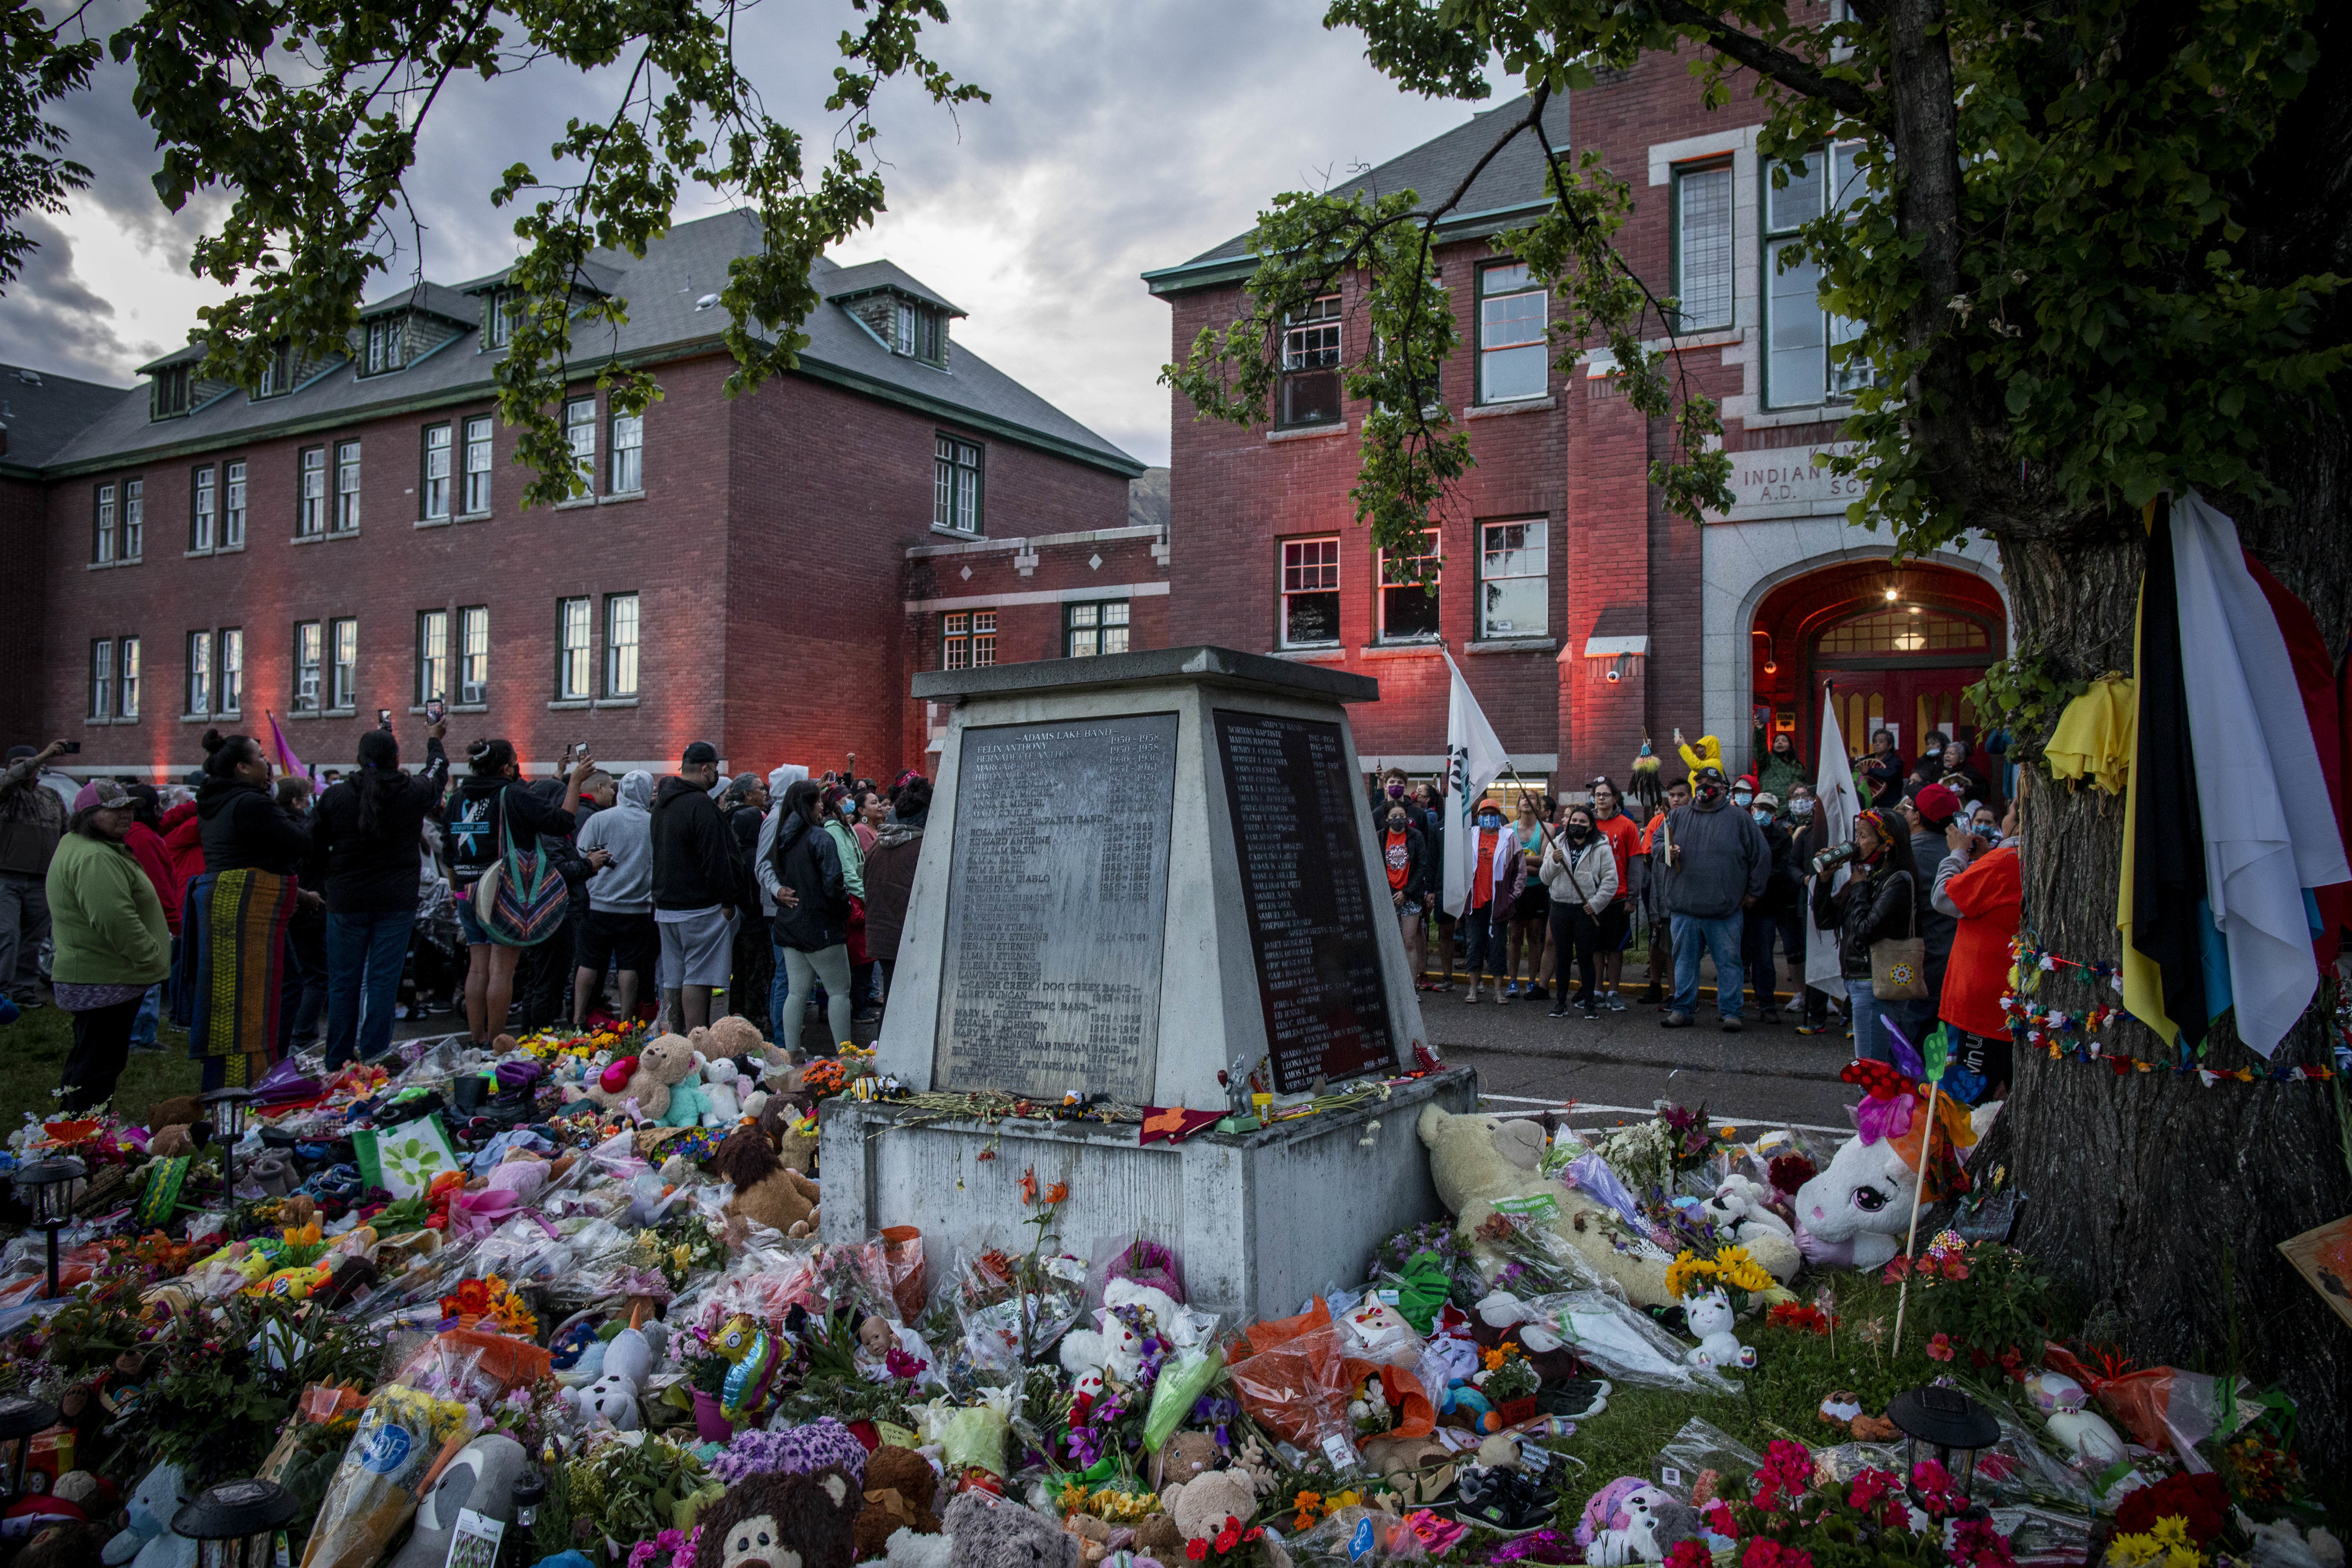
(600, 274)
(449, 305)
(1505, 191)
(43, 412)
(685, 264)
(849, 283)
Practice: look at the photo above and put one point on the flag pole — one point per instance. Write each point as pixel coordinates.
(1911, 1237)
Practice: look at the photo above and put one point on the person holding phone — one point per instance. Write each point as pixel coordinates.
(363, 838)
(489, 804)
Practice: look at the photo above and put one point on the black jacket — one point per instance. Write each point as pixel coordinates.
(1881, 775)
(1784, 884)
(243, 827)
(1416, 854)
(1866, 909)
(743, 843)
(480, 810)
(807, 861)
(694, 855)
(374, 874)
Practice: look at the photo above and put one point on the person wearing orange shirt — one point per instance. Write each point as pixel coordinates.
(1498, 873)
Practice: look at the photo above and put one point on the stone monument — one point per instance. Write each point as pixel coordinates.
(1143, 870)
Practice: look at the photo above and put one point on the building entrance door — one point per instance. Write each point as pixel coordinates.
(1910, 702)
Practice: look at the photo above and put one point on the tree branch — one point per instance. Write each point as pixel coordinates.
(1792, 71)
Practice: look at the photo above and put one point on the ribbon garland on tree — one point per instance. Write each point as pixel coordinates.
(2074, 1036)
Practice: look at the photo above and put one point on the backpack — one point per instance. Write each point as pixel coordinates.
(521, 899)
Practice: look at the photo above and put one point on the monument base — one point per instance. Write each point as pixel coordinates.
(1261, 1220)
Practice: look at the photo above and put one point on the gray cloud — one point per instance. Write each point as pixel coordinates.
(1119, 138)
(53, 322)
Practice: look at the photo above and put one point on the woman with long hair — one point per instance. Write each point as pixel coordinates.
(363, 840)
(805, 876)
(489, 807)
(111, 940)
(229, 988)
(1580, 867)
(1879, 900)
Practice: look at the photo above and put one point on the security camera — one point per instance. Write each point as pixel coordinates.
(1614, 675)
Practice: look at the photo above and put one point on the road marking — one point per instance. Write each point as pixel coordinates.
(1652, 1111)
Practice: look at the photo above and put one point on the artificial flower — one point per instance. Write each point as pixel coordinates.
(1688, 1554)
(1198, 1551)
(1941, 1348)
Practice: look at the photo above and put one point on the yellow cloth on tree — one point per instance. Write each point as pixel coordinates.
(2143, 980)
(2098, 734)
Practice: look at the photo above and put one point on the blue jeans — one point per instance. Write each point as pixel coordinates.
(1869, 1043)
(1484, 943)
(1721, 937)
(364, 955)
(151, 1012)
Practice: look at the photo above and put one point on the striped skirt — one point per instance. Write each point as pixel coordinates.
(226, 971)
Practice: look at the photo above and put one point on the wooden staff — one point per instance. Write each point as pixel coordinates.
(1911, 1237)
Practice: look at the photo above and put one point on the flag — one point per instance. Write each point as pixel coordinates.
(2164, 833)
(1474, 758)
(285, 753)
(1834, 809)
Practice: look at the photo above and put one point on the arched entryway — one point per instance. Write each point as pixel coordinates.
(1901, 643)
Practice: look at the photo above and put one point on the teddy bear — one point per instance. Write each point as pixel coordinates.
(1629, 1521)
(1416, 1469)
(779, 1520)
(687, 1103)
(1184, 1456)
(1114, 1350)
(990, 1532)
(766, 1189)
(665, 1061)
(722, 1087)
(1157, 1538)
(171, 1126)
(1739, 1209)
(1201, 1506)
(1709, 1316)
(1177, 1324)
(735, 1035)
(1853, 1215)
(610, 1401)
(901, 1488)
(1476, 1161)
(146, 1539)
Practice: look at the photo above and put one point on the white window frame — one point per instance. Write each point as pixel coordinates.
(345, 518)
(1436, 602)
(309, 658)
(1715, 181)
(101, 679)
(580, 434)
(624, 636)
(1090, 627)
(431, 656)
(575, 654)
(1540, 550)
(1306, 566)
(344, 651)
(199, 694)
(628, 475)
(134, 521)
(203, 508)
(386, 344)
(1313, 347)
(478, 465)
(1831, 180)
(233, 498)
(967, 639)
(230, 672)
(311, 493)
(126, 674)
(436, 480)
(101, 540)
(958, 484)
(1501, 285)
(473, 653)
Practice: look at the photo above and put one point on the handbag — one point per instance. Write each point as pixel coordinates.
(521, 899)
(1899, 964)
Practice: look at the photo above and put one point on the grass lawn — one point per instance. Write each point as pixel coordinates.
(33, 1059)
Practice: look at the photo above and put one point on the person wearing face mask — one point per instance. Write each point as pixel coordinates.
(1716, 868)
(1404, 854)
(1432, 832)
(1803, 823)
(1930, 813)
(1876, 904)
(1531, 914)
(1982, 886)
(1761, 924)
(1498, 873)
(1650, 883)
(1624, 840)
(1581, 870)
(1782, 772)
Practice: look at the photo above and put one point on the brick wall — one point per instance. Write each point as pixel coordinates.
(24, 648)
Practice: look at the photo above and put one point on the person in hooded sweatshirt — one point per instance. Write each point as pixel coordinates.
(363, 859)
(804, 874)
(890, 873)
(490, 807)
(695, 892)
(239, 908)
(618, 932)
(1717, 870)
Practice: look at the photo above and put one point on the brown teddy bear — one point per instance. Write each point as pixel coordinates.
(1182, 1458)
(171, 1126)
(900, 1486)
(665, 1061)
(777, 1520)
(766, 1189)
(1159, 1539)
(735, 1035)
(1201, 1506)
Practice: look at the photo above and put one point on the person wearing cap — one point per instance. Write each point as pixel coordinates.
(111, 940)
(32, 821)
(1929, 814)
(1761, 923)
(1718, 866)
(744, 804)
(695, 889)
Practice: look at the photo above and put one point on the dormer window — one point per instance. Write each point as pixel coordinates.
(386, 345)
(168, 392)
(499, 308)
(278, 374)
(916, 332)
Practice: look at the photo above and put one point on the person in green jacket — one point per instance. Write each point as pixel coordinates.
(110, 938)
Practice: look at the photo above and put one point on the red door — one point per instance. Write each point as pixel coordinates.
(1903, 669)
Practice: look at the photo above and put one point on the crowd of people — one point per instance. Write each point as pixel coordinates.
(267, 920)
(1919, 902)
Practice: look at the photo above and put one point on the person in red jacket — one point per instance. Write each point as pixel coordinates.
(1984, 887)
(147, 847)
(184, 838)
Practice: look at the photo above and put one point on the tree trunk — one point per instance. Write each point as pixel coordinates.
(2157, 1203)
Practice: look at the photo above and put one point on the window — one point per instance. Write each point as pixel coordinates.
(1798, 334)
(573, 657)
(232, 528)
(1310, 593)
(1408, 601)
(168, 393)
(1899, 631)
(1702, 247)
(437, 471)
(232, 671)
(276, 373)
(310, 513)
(432, 655)
(101, 528)
(347, 488)
(384, 345)
(202, 507)
(914, 331)
(474, 653)
(955, 496)
(499, 315)
(580, 430)
(308, 647)
(478, 466)
(102, 678)
(967, 639)
(1510, 334)
(1091, 629)
(1514, 582)
(1310, 364)
(134, 519)
(346, 689)
(199, 700)
(623, 631)
(126, 664)
(628, 454)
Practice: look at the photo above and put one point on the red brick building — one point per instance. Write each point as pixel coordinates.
(348, 537)
(1582, 614)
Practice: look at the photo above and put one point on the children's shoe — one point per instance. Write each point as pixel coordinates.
(1510, 990)
(1812, 1028)
(1473, 995)
(1614, 1003)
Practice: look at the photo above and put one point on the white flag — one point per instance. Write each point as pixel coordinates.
(1833, 813)
(1474, 758)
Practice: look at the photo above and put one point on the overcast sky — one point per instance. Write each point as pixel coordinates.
(1124, 134)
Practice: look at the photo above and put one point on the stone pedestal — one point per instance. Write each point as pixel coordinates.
(1141, 870)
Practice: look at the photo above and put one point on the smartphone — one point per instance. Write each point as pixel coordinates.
(73, 748)
(435, 710)
(383, 718)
